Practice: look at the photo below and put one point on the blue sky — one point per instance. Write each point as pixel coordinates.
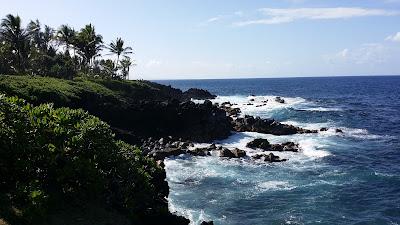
(238, 39)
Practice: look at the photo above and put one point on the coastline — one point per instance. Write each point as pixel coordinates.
(197, 122)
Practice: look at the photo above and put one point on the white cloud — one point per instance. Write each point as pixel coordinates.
(366, 54)
(395, 37)
(214, 19)
(286, 15)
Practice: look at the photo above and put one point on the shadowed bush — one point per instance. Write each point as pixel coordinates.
(50, 157)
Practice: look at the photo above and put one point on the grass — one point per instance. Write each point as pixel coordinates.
(76, 92)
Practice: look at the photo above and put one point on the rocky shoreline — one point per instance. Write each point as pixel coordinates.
(190, 123)
(164, 121)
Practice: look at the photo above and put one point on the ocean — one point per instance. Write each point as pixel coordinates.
(337, 178)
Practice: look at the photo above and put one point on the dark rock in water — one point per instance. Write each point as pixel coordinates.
(212, 147)
(259, 143)
(252, 100)
(159, 155)
(338, 130)
(287, 147)
(207, 223)
(323, 129)
(280, 100)
(226, 153)
(234, 112)
(235, 153)
(199, 152)
(269, 158)
(266, 146)
(238, 153)
(196, 93)
(266, 126)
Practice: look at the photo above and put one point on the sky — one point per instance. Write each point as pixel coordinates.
(210, 39)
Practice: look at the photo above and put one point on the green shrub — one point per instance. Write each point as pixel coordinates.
(49, 155)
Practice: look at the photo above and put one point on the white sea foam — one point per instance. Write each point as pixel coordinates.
(310, 126)
(195, 216)
(320, 109)
(313, 149)
(245, 178)
(347, 131)
(259, 105)
(274, 185)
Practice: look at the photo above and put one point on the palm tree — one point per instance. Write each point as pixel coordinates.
(66, 35)
(119, 49)
(89, 44)
(33, 29)
(11, 32)
(47, 37)
(126, 63)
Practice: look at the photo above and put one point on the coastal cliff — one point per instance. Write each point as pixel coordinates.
(134, 110)
(162, 121)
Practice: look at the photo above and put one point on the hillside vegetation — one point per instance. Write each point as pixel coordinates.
(57, 162)
(134, 109)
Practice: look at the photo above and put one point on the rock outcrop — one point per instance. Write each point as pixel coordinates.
(187, 120)
(230, 111)
(279, 99)
(195, 93)
(266, 146)
(266, 126)
(235, 153)
(268, 158)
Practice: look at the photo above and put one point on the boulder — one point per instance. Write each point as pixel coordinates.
(266, 126)
(197, 93)
(323, 129)
(287, 147)
(259, 143)
(199, 152)
(235, 153)
(238, 153)
(269, 157)
(168, 152)
(279, 99)
(207, 223)
(338, 130)
(266, 146)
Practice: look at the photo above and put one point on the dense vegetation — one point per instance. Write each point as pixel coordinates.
(134, 109)
(83, 92)
(53, 157)
(63, 53)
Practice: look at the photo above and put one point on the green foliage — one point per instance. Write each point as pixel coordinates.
(49, 155)
(84, 92)
(41, 50)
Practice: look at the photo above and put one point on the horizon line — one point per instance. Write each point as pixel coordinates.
(284, 77)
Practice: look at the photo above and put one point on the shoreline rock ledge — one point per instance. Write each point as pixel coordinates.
(266, 126)
(266, 146)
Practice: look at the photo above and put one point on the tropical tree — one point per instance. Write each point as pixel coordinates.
(13, 34)
(66, 36)
(89, 44)
(117, 47)
(126, 63)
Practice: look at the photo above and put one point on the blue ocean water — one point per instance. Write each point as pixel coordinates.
(349, 178)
